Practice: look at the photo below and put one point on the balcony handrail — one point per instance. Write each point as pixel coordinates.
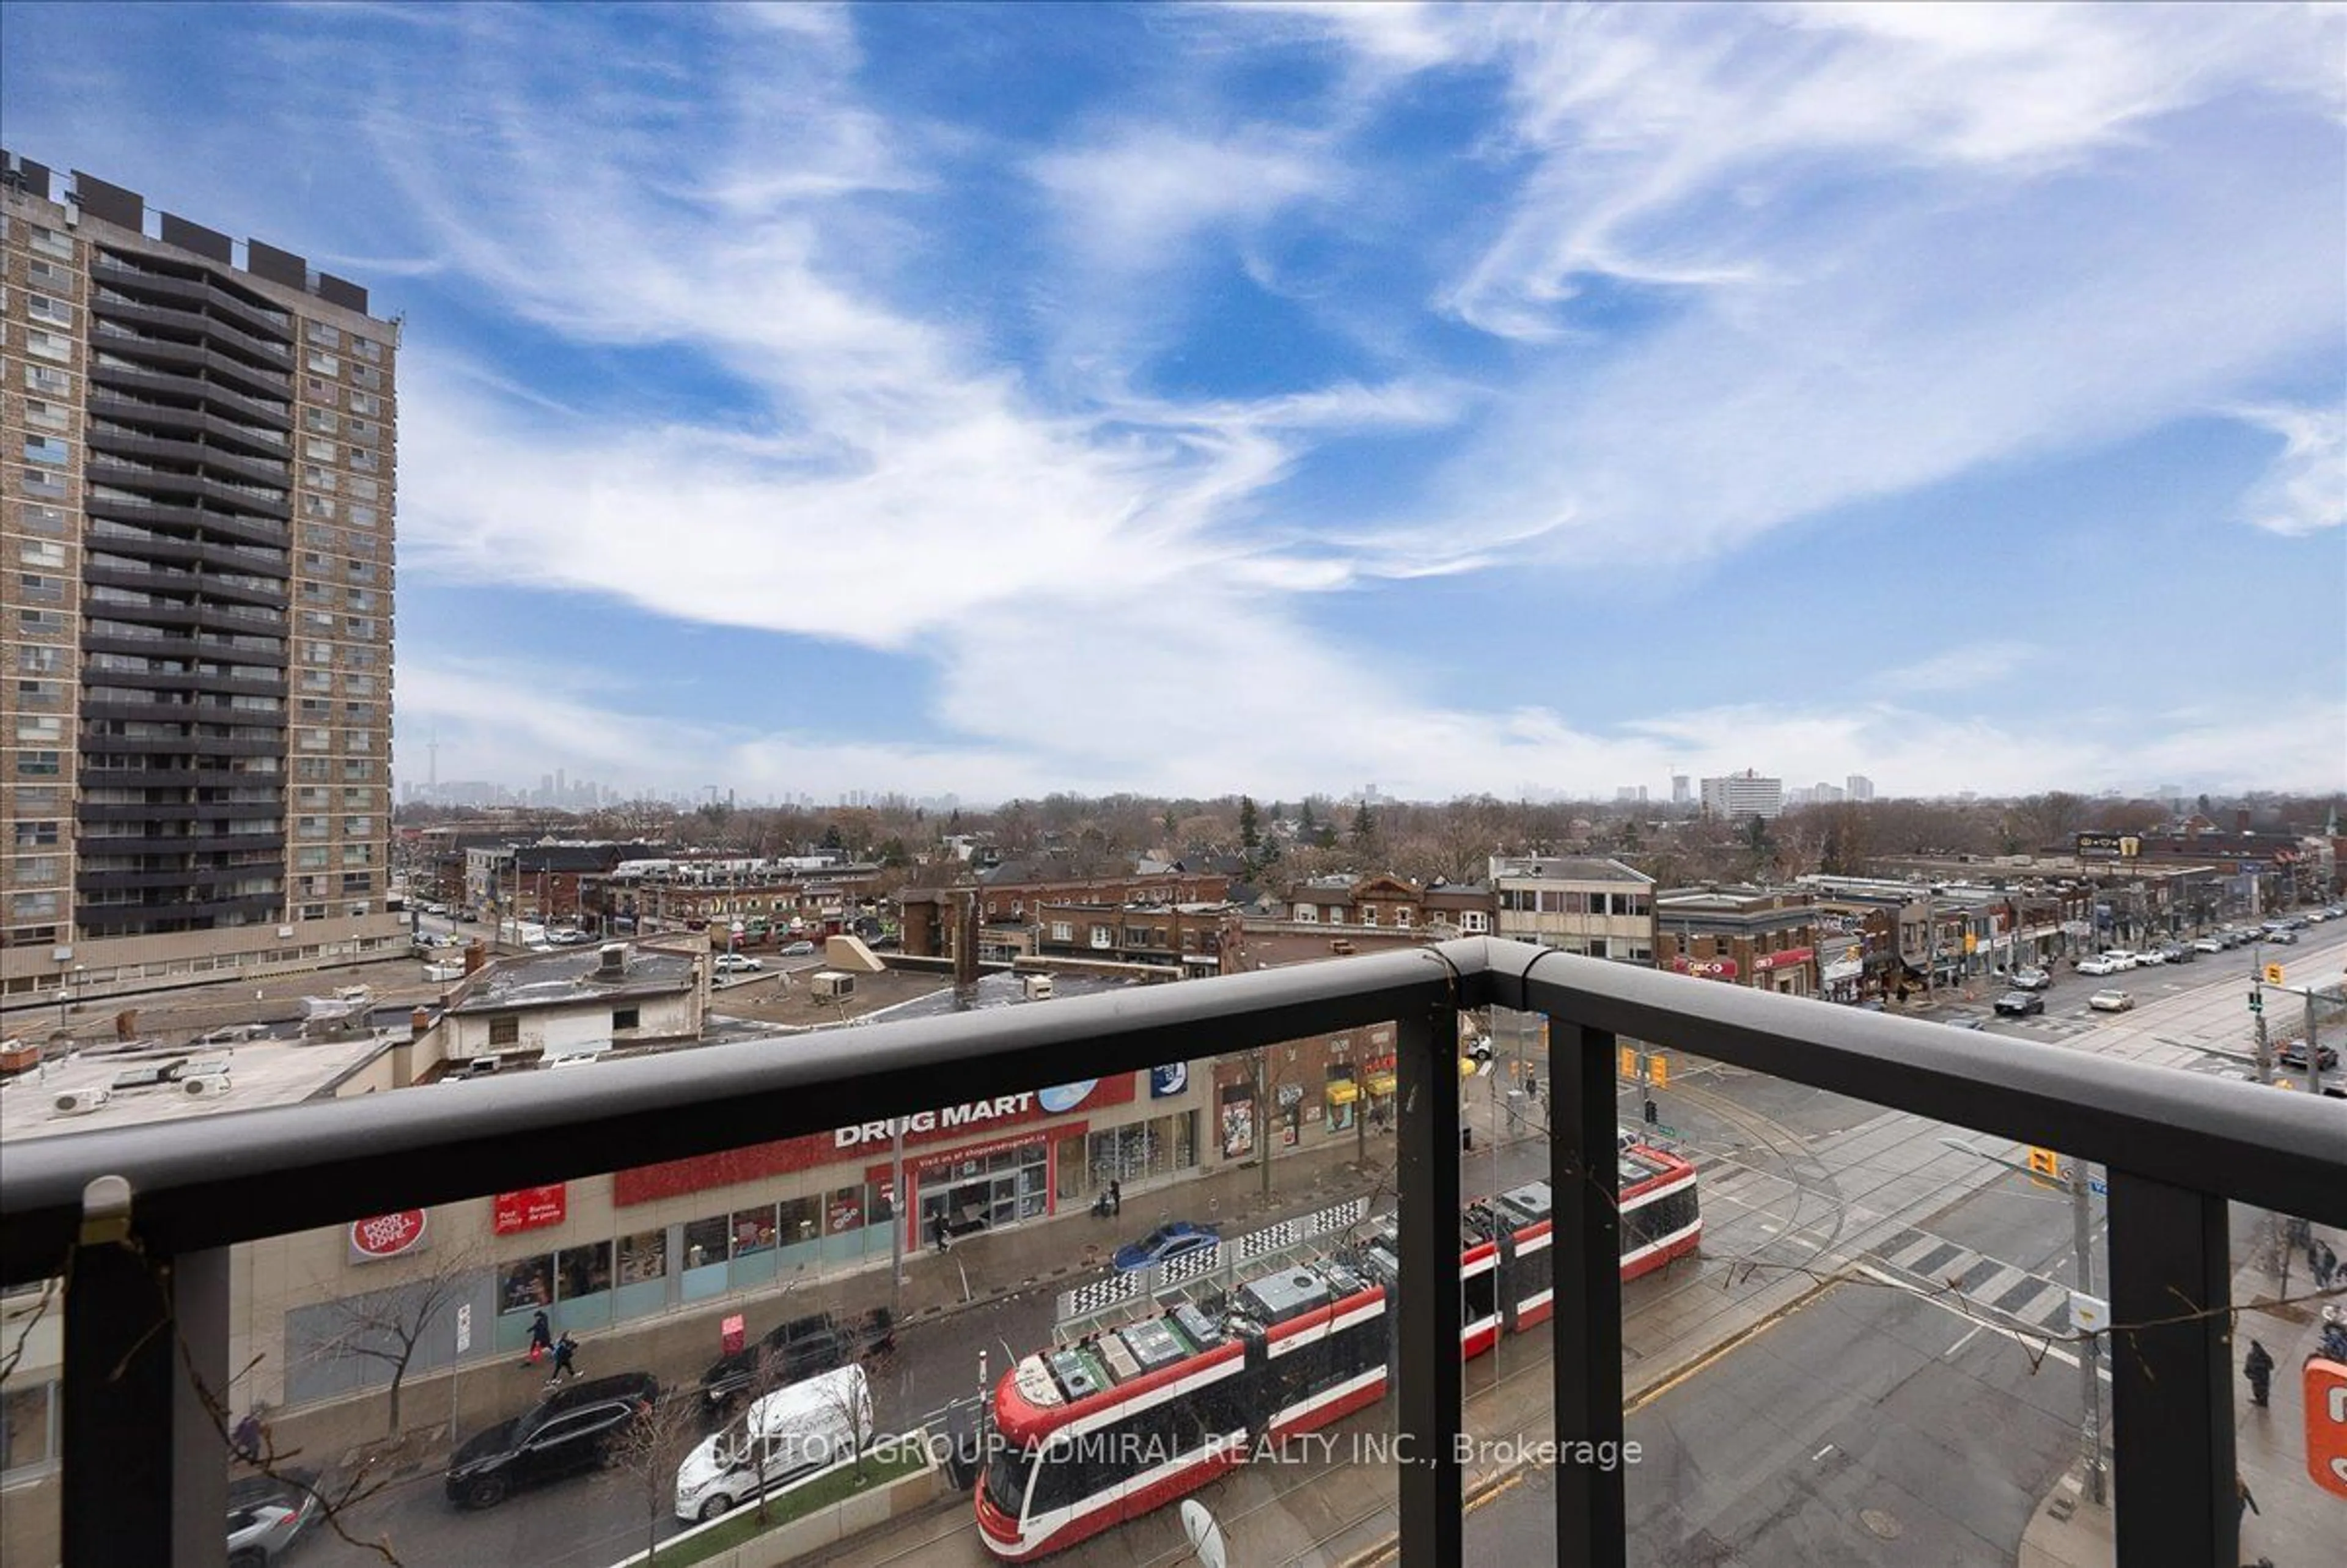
(239, 1176)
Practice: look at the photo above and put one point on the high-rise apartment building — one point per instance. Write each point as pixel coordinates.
(196, 628)
(1860, 787)
(1744, 795)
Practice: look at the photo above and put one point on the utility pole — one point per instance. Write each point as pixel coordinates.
(2089, 1348)
(898, 1210)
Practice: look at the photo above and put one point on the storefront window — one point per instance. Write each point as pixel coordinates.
(844, 1210)
(753, 1231)
(1344, 1098)
(527, 1284)
(801, 1219)
(706, 1241)
(583, 1270)
(643, 1256)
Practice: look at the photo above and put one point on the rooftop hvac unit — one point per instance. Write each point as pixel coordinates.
(82, 1101)
(1038, 988)
(204, 1086)
(831, 986)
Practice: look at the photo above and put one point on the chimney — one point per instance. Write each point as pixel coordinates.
(476, 955)
(420, 1020)
(2242, 820)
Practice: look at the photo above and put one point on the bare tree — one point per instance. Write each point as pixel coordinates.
(649, 1451)
(848, 1401)
(390, 1324)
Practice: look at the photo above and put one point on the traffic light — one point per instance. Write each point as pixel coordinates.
(1654, 1115)
(2273, 974)
(1658, 1069)
(2046, 1163)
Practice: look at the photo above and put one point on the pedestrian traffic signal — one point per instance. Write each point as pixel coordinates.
(2273, 974)
(2044, 1163)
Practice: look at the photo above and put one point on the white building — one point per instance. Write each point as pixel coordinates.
(1580, 905)
(1860, 787)
(1744, 795)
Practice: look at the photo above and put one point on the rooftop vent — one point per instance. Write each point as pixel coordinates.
(614, 959)
(82, 1101)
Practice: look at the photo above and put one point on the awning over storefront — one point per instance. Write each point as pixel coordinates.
(1382, 1084)
(1344, 1092)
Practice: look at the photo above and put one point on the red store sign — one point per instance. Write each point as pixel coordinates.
(649, 1183)
(531, 1208)
(1781, 960)
(1706, 968)
(386, 1235)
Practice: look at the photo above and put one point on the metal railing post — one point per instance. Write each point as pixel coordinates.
(1427, 1314)
(1585, 1246)
(2172, 1374)
(144, 1477)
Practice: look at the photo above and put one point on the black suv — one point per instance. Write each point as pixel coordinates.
(2019, 1004)
(801, 1347)
(570, 1430)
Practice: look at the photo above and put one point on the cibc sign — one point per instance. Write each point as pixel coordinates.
(387, 1235)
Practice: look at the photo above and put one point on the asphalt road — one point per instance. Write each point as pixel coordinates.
(1873, 1425)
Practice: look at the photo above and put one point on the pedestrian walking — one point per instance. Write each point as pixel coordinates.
(566, 1353)
(2259, 1369)
(2245, 1500)
(541, 1339)
(938, 1231)
(251, 1437)
(2326, 1265)
(1116, 1198)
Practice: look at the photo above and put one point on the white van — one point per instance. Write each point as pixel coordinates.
(786, 1435)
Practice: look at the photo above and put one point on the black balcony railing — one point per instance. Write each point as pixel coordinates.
(146, 1215)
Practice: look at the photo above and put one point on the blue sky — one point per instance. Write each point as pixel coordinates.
(1291, 398)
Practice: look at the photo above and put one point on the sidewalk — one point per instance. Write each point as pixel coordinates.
(2297, 1524)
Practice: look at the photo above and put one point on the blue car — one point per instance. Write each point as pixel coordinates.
(1165, 1244)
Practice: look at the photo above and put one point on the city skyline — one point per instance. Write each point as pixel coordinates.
(1222, 399)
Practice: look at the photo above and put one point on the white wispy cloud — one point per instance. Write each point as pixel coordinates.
(1960, 669)
(2305, 491)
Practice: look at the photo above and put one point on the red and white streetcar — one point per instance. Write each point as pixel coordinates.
(1127, 1420)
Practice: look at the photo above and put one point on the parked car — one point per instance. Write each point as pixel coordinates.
(2210, 945)
(2176, 953)
(2019, 1004)
(266, 1514)
(2293, 1054)
(2031, 979)
(569, 938)
(2110, 1002)
(736, 964)
(1165, 1244)
(797, 1348)
(2283, 938)
(2119, 959)
(2152, 956)
(2097, 966)
(571, 1429)
(785, 1435)
(798, 949)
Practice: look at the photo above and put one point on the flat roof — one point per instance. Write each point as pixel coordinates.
(262, 1072)
(573, 975)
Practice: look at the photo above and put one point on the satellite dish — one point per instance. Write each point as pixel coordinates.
(1206, 1535)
